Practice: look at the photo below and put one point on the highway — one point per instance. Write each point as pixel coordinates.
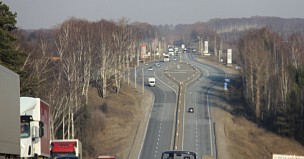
(159, 131)
(197, 127)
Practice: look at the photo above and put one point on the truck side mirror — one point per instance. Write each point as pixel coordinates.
(41, 132)
(41, 124)
(41, 129)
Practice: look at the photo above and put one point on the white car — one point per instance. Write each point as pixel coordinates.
(174, 58)
(150, 68)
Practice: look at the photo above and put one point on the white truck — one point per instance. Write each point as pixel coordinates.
(176, 50)
(66, 147)
(171, 51)
(183, 47)
(9, 113)
(166, 58)
(152, 82)
(34, 128)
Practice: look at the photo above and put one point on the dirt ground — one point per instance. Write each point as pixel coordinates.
(236, 136)
(125, 122)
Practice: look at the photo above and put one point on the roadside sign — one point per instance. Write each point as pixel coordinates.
(225, 86)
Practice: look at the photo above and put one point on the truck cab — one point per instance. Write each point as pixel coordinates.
(34, 128)
(152, 82)
(71, 147)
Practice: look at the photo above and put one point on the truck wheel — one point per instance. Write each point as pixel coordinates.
(35, 156)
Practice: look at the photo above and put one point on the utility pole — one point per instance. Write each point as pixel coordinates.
(137, 57)
(128, 75)
(199, 45)
(150, 52)
(159, 48)
(221, 49)
(135, 76)
(153, 51)
(143, 82)
(215, 48)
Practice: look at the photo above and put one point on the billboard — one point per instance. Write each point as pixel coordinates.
(143, 51)
(229, 57)
(206, 47)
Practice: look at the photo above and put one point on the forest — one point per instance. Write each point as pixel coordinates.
(59, 64)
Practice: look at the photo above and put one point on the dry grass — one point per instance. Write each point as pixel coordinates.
(121, 120)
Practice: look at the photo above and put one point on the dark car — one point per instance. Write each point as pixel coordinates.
(191, 110)
(67, 157)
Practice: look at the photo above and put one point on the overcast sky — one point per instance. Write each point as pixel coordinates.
(36, 14)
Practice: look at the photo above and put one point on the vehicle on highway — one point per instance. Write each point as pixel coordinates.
(67, 157)
(191, 110)
(107, 157)
(150, 68)
(152, 82)
(166, 59)
(158, 65)
(178, 154)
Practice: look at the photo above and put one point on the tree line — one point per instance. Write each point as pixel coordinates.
(65, 60)
(59, 64)
(272, 75)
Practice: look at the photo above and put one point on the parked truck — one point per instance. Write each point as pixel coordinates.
(34, 128)
(9, 113)
(152, 82)
(66, 147)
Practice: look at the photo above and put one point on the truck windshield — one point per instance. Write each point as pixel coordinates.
(25, 130)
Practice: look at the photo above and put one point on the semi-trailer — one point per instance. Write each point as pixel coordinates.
(9, 113)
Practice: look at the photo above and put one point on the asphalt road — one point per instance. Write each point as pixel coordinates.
(158, 136)
(198, 128)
